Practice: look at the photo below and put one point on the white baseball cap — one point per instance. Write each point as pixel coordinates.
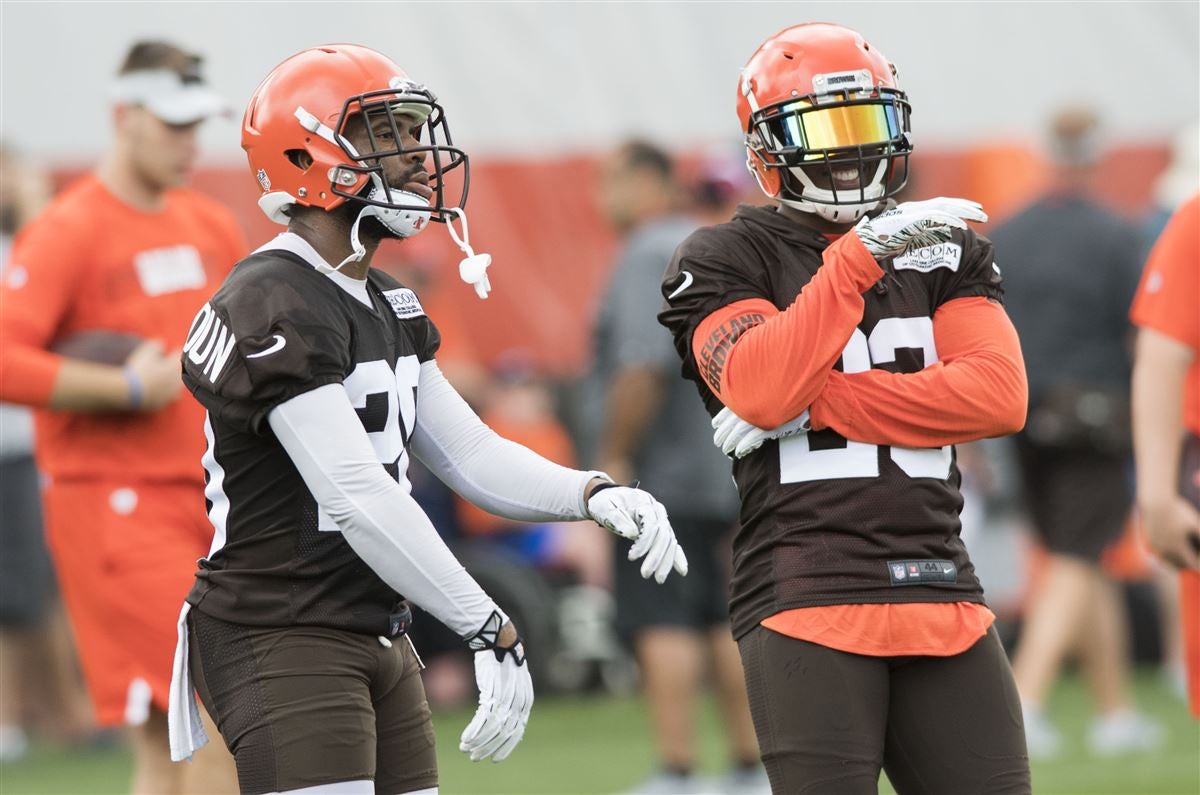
(171, 97)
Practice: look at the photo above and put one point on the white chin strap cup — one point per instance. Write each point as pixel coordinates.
(473, 269)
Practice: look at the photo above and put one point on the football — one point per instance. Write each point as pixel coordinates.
(101, 347)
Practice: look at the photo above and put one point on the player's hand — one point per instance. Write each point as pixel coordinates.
(1173, 530)
(157, 375)
(912, 225)
(505, 696)
(632, 513)
(738, 438)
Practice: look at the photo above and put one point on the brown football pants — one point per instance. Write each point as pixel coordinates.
(827, 720)
(303, 706)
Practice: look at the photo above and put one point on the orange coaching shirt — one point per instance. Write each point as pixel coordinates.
(1168, 298)
(1168, 301)
(92, 262)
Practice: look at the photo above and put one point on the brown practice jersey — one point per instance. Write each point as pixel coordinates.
(824, 519)
(277, 329)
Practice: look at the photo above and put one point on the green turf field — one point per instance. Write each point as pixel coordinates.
(600, 746)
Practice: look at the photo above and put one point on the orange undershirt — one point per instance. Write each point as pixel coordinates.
(976, 390)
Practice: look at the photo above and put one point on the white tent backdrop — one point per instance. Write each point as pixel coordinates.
(522, 78)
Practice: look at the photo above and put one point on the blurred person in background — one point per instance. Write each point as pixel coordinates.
(843, 345)
(652, 430)
(721, 184)
(1166, 415)
(37, 660)
(123, 257)
(1178, 182)
(1070, 270)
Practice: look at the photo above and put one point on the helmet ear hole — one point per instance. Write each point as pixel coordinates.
(299, 158)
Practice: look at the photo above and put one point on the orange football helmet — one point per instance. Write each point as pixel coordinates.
(826, 125)
(302, 108)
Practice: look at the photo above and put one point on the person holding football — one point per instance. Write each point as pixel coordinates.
(320, 379)
(108, 275)
(843, 344)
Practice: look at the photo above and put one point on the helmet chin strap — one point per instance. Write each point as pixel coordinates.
(472, 269)
(401, 223)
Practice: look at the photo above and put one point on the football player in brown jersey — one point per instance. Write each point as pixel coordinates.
(843, 345)
(319, 377)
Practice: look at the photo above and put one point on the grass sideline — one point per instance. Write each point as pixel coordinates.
(600, 745)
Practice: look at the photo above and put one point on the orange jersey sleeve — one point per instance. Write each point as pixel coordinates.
(1168, 298)
(36, 293)
(976, 390)
(767, 366)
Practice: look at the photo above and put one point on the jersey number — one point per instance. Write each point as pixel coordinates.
(385, 399)
(827, 455)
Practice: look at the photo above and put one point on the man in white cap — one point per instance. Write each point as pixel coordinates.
(93, 311)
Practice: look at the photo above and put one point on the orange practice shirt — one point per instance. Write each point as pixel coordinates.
(1168, 298)
(980, 354)
(1168, 301)
(91, 262)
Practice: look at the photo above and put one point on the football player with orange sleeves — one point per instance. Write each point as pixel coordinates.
(124, 253)
(1166, 415)
(843, 345)
(319, 377)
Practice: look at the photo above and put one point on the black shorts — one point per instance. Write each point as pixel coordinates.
(827, 720)
(698, 601)
(303, 706)
(1078, 501)
(27, 584)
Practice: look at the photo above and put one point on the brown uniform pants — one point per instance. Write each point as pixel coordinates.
(827, 720)
(302, 706)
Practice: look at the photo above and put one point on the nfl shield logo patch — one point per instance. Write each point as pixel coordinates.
(263, 179)
(898, 571)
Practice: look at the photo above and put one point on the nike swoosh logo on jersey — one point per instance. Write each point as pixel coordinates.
(277, 346)
(687, 282)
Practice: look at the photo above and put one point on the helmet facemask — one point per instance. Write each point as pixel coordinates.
(837, 154)
(401, 212)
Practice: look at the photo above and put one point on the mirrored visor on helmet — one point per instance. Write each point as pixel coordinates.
(806, 127)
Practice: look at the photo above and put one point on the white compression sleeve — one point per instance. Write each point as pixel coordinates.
(499, 476)
(386, 528)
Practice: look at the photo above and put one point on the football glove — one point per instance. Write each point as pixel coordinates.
(505, 695)
(738, 438)
(913, 225)
(632, 513)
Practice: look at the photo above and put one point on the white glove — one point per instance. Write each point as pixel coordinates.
(738, 438)
(634, 514)
(912, 225)
(505, 697)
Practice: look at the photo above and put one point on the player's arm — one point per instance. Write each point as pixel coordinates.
(325, 440)
(33, 301)
(768, 366)
(634, 397)
(510, 480)
(1159, 372)
(977, 390)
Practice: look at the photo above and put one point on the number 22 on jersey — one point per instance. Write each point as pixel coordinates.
(800, 463)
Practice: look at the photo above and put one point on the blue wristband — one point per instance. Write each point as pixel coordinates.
(135, 387)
